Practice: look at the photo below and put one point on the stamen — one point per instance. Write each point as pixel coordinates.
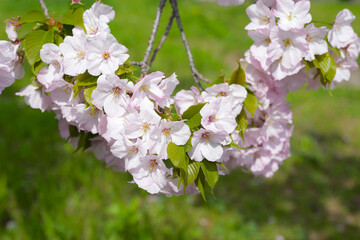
(287, 42)
(117, 91)
(106, 55)
(205, 136)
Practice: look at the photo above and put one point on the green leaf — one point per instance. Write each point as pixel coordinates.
(74, 131)
(195, 121)
(84, 141)
(178, 156)
(251, 103)
(242, 122)
(88, 90)
(234, 145)
(34, 42)
(192, 172)
(35, 68)
(203, 186)
(200, 184)
(238, 77)
(218, 80)
(32, 16)
(210, 171)
(58, 39)
(192, 111)
(327, 66)
(222, 164)
(74, 16)
(309, 65)
(86, 79)
(125, 68)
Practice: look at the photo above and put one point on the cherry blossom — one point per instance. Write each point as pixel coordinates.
(105, 54)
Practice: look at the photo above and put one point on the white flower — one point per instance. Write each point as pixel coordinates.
(35, 97)
(141, 124)
(292, 15)
(342, 33)
(149, 87)
(105, 54)
(150, 174)
(315, 38)
(219, 115)
(186, 98)
(7, 77)
(74, 51)
(176, 132)
(207, 145)
(260, 16)
(130, 151)
(111, 94)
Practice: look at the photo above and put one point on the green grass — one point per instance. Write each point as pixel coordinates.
(49, 192)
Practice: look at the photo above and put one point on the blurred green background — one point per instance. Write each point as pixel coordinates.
(49, 192)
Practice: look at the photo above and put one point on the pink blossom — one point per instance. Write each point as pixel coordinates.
(176, 132)
(35, 97)
(292, 15)
(168, 85)
(111, 94)
(260, 16)
(315, 38)
(141, 124)
(74, 51)
(342, 32)
(88, 119)
(218, 115)
(7, 77)
(259, 50)
(11, 28)
(186, 98)
(288, 46)
(130, 151)
(150, 173)
(149, 87)
(105, 54)
(207, 145)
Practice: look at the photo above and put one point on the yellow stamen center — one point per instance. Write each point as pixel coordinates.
(290, 17)
(106, 55)
(153, 164)
(80, 54)
(205, 136)
(166, 132)
(133, 151)
(222, 94)
(116, 91)
(264, 20)
(287, 42)
(145, 127)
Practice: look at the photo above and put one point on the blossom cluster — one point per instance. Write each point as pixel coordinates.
(170, 144)
(11, 57)
(127, 121)
(285, 55)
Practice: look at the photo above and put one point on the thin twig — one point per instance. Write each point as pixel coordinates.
(44, 8)
(136, 63)
(195, 73)
(163, 39)
(144, 66)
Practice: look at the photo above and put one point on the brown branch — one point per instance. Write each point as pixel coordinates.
(44, 8)
(163, 39)
(195, 72)
(144, 65)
